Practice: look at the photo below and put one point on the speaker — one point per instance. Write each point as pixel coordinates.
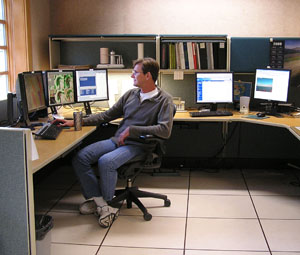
(10, 108)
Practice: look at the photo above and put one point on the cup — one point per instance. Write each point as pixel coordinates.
(244, 105)
(104, 56)
(77, 116)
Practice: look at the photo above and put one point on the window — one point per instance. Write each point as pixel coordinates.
(3, 52)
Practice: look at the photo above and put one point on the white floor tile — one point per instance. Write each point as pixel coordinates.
(160, 232)
(105, 250)
(156, 207)
(221, 206)
(282, 235)
(206, 252)
(74, 249)
(73, 228)
(225, 234)
(277, 207)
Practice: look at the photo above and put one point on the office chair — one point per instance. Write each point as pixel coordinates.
(150, 160)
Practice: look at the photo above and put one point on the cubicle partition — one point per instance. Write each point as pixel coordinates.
(17, 235)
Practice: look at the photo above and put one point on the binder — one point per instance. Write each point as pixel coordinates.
(203, 55)
(210, 56)
(164, 56)
(186, 57)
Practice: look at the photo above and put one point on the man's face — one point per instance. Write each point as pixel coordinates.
(138, 76)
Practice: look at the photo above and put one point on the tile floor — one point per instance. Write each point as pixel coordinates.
(221, 212)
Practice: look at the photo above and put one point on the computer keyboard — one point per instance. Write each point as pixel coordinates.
(48, 131)
(210, 114)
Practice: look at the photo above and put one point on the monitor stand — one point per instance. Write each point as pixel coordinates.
(213, 107)
(87, 108)
(271, 109)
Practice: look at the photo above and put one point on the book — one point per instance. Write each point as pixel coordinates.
(178, 63)
(194, 55)
(190, 55)
(181, 55)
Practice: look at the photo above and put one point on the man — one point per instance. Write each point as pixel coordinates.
(145, 110)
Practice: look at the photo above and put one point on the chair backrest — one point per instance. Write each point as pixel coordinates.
(148, 160)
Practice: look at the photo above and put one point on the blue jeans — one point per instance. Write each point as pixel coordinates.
(109, 157)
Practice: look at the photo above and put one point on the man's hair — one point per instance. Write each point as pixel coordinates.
(149, 65)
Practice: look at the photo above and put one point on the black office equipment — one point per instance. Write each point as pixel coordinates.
(272, 86)
(30, 95)
(10, 108)
(60, 87)
(210, 114)
(214, 88)
(49, 131)
(91, 85)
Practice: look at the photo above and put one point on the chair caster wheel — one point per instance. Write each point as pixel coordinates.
(167, 203)
(147, 216)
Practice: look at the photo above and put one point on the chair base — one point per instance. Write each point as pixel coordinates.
(132, 195)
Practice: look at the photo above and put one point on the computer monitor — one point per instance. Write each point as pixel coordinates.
(31, 94)
(272, 85)
(60, 86)
(91, 85)
(214, 88)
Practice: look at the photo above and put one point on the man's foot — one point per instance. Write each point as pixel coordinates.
(107, 215)
(88, 207)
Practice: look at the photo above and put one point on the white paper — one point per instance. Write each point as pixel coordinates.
(34, 153)
(178, 75)
(298, 128)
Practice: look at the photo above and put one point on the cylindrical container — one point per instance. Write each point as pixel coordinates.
(104, 56)
(112, 57)
(140, 50)
(77, 116)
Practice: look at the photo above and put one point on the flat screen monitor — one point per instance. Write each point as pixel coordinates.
(213, 88)
(91, 85)
(31, 93)
(60, 88)
(272, 85)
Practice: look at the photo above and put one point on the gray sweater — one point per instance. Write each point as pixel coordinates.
(153, 116)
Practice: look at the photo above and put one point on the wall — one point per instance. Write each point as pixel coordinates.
(232, 17)
(40, 29)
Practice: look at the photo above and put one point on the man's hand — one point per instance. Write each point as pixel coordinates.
(123, 136)
(63, 122)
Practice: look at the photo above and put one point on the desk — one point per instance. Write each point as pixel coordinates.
(288, 122)
(50, 150)
(231, 137)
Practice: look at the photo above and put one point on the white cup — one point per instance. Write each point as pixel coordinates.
(244, 105)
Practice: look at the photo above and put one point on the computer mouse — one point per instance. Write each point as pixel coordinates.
(260, 114)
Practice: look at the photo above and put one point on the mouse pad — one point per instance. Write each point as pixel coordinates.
(255, 117)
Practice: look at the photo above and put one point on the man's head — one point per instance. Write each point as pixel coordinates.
(148, 65)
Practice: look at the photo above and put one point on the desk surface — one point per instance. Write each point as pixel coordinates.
(49, 150)
(288, 122)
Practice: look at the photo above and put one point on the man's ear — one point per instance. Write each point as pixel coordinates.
(148, 75)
